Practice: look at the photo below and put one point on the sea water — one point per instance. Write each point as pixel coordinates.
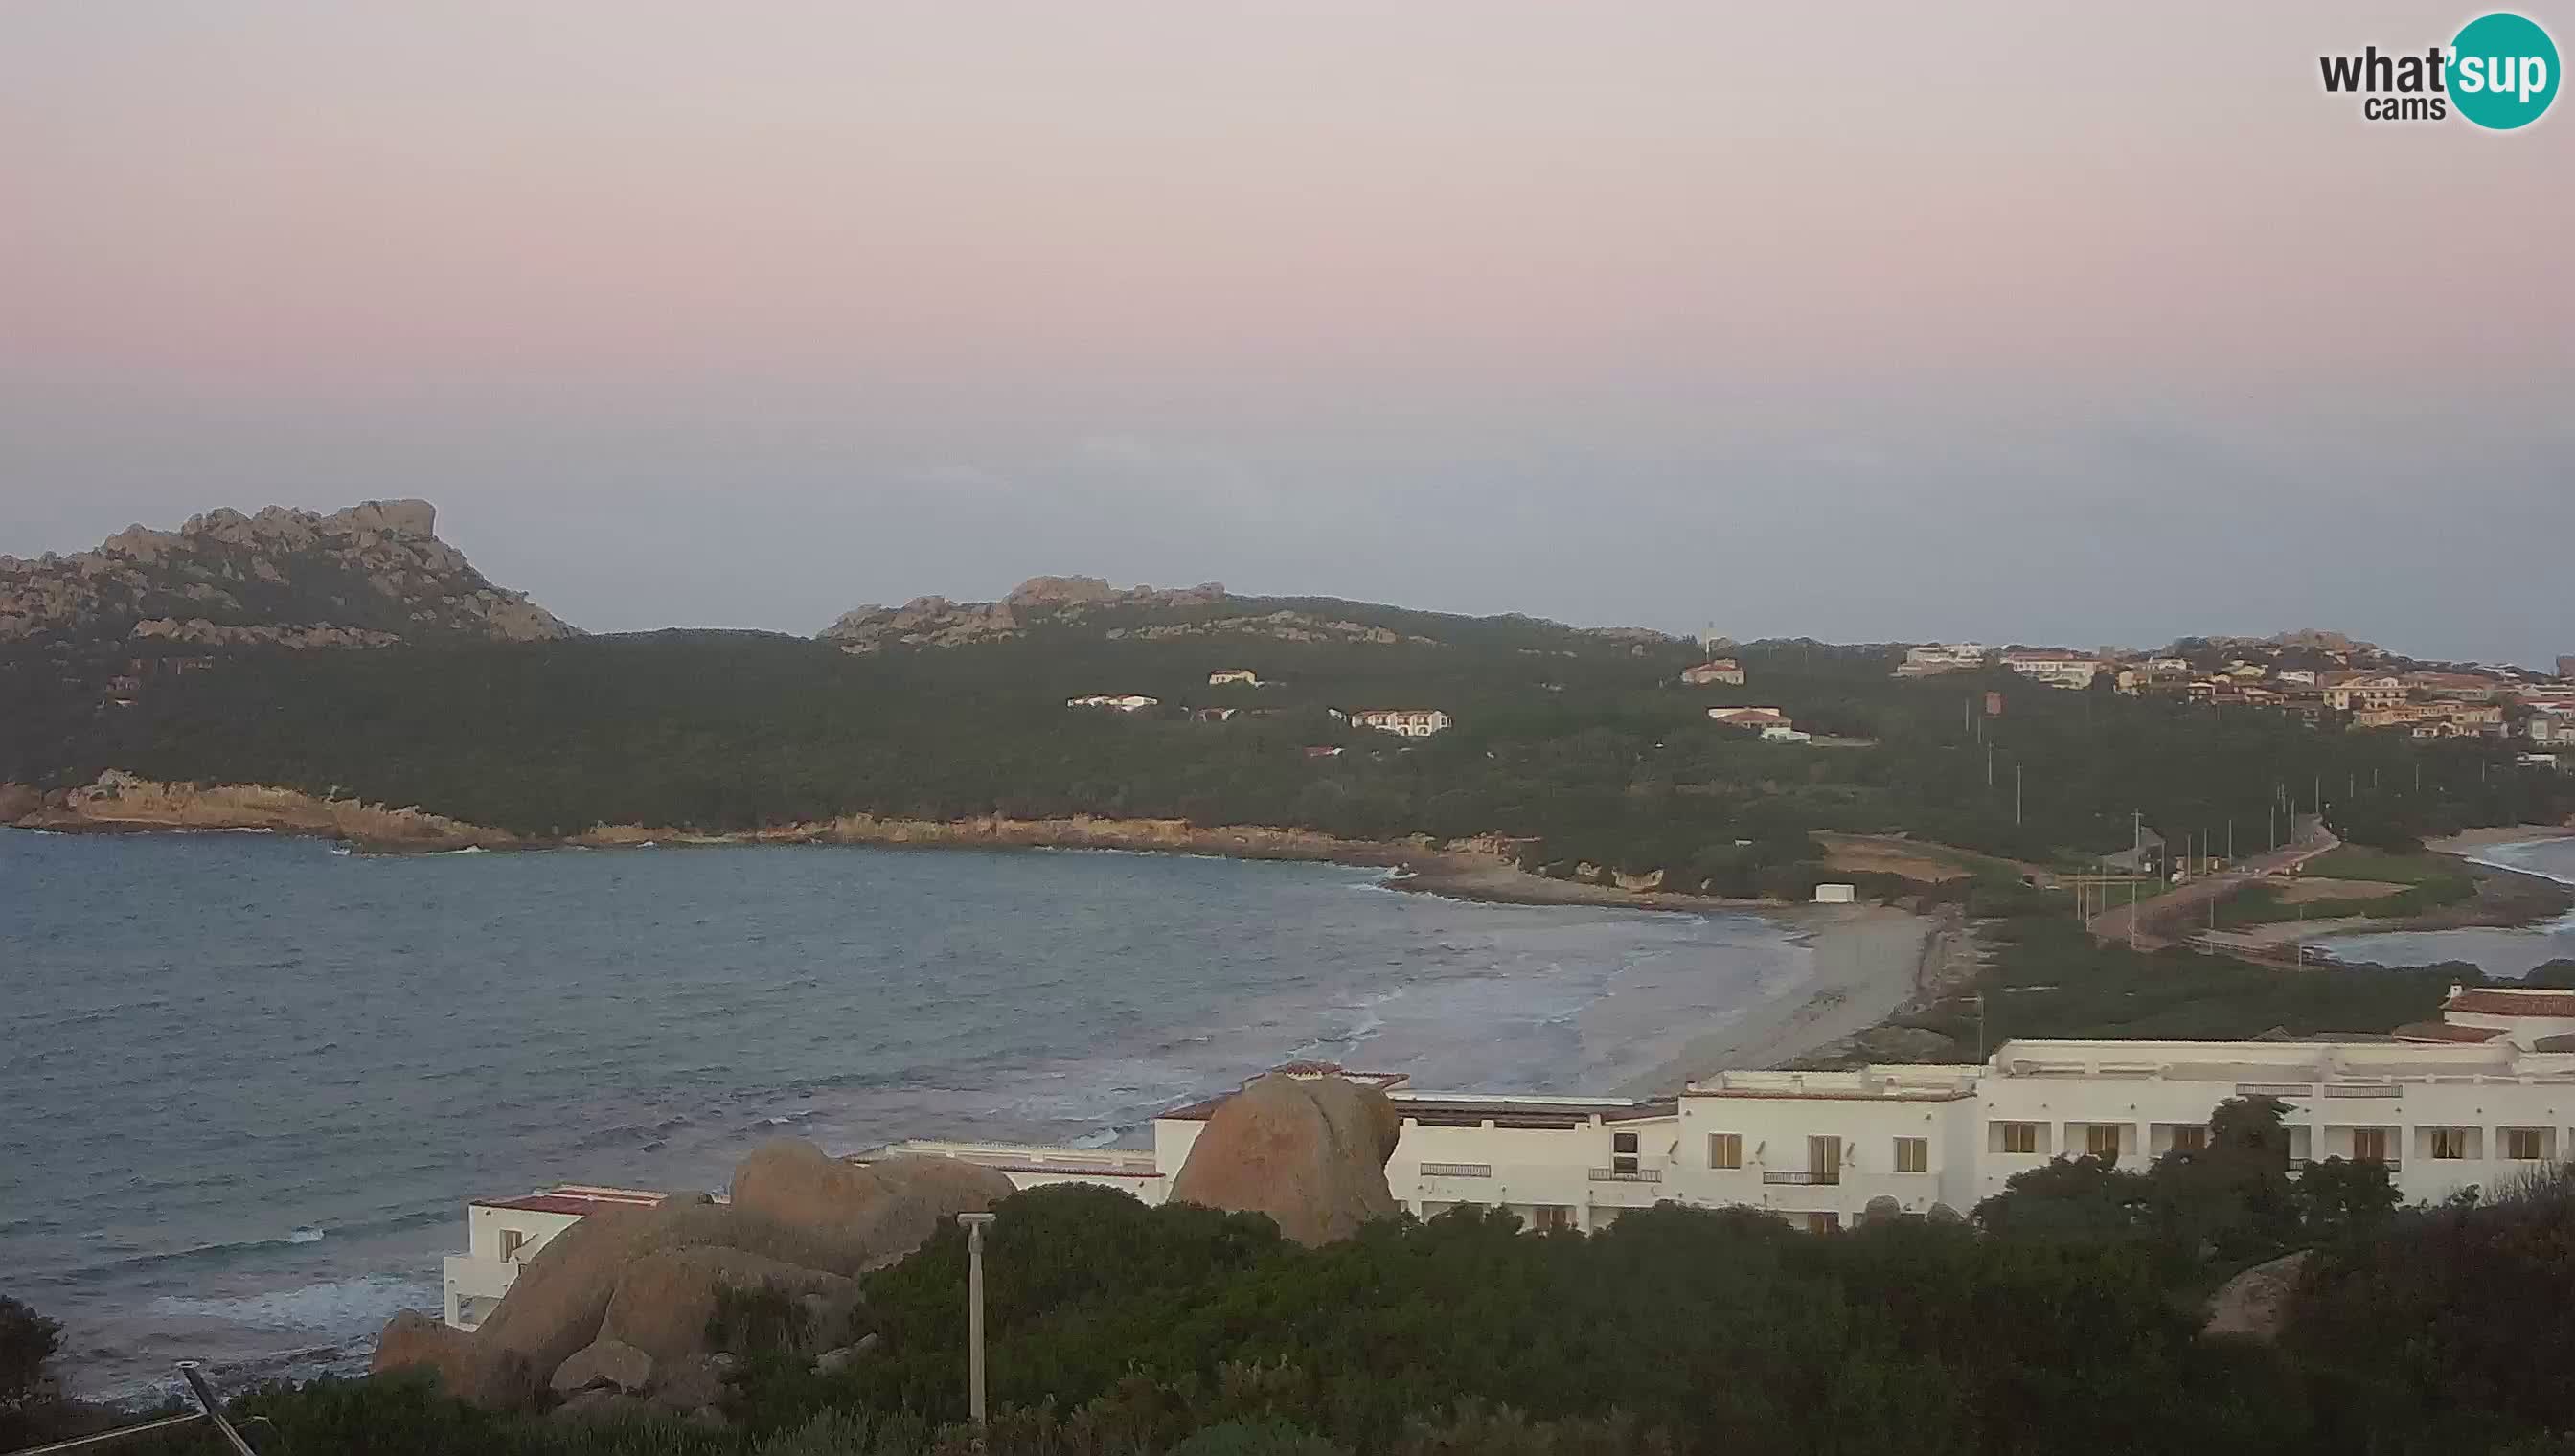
(247, 1084)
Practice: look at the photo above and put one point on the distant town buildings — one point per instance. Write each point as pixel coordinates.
(1243, 675)
(2056, 666)
(2352, 691)
(1121, 702)
(1413, 723)
(1933, 657)
(1714, 669)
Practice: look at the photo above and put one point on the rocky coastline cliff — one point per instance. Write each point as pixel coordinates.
(374, 575)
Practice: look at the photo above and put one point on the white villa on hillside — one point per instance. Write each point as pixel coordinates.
(2482, 1096)
(1413, 723)
(2056, 666)
(1244, 676)
(1121, 702)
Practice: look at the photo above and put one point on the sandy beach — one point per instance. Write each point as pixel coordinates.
(1870, 961)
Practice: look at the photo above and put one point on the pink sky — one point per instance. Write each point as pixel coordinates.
(998, 229)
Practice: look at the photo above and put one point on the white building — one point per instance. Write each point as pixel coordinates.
(1244, 676)
(2056, 666)
(502, 1233)
(1122, 702)
(1413, 723)
(1934, 658)
(2481, 1097)
(1773, 725)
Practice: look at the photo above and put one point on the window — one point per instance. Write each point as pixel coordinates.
(2020, 1137)
(1913, 1154)
(1823, 1160)
(1823, 1223)
(2449, 1142)
(2369, 1144)
(1725, 1149)
(1553, 1218)
(1622, 1152)
(2521, 1144)
(512, 1240)
(2102, 1139)
(2191, 1139)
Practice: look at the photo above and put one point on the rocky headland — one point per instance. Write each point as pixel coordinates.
(375, 575)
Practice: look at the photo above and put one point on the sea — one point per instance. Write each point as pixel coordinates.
(248, 1082)
(2496, 951)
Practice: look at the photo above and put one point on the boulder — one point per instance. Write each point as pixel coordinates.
(2255, 1303)
(601, 1405)
(612, 1364)
(417, 1340)
(1310, 1151)
(692, 1384)
(664, 1298)
(794, 1202)
(833, 1361)
(555, 1306)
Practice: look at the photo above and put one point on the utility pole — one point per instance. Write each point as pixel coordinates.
(2136, 867)
(2016, 795)
(975, 1224)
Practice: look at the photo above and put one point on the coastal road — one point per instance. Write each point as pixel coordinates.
(2172, 918)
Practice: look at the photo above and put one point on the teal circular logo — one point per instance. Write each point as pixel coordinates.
(2503, 71)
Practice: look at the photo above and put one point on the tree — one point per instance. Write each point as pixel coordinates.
(2341, 1200)
(27, 1341)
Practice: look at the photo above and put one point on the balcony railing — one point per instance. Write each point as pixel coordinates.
(1626, 1175)
(1457, 1170)
(2348, 1089)
(2275, 1089)
(1834, 1177)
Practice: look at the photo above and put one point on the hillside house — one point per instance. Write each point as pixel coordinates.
(2055, 667)
(2352, 691)
(1714, 669)
(1935, 658)
(1234, 675)
(1120, 701)
(1412, 722)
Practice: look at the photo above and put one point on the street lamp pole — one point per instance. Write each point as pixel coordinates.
(975, 1224)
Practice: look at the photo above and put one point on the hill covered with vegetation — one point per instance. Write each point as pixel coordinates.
(1583, 742)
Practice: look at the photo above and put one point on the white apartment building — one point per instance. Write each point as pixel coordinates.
(2482, 1096)
(1413, 723)
(1934, 658)
(2055, 667)
(1121, 702)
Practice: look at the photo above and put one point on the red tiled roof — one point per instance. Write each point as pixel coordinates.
(2487, 1002)
(2444, 1031)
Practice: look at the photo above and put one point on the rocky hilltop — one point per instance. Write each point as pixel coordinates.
(1147, 614)
(373, 575)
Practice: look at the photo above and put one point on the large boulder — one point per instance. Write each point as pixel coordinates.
(794, 1202)
(1310, 1151)
(664, 1298)
(414, 1340)
(2254, 1305)
(554, 1304)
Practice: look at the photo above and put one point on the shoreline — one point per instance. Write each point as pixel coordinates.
(1868, 960)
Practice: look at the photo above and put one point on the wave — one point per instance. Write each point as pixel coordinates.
(352, 1306)
(210, 1253)
(468, 850)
